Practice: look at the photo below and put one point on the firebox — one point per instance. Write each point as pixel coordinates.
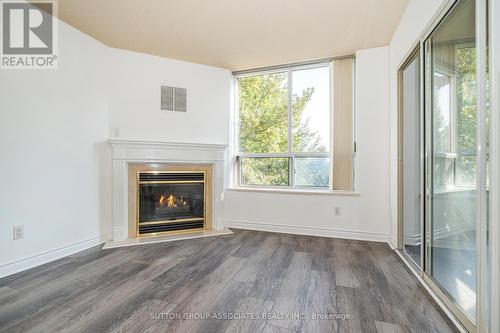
(170, 201)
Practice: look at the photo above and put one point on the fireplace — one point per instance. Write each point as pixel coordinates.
(133, 157)
(171, 201)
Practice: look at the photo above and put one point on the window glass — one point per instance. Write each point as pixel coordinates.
(312, 171)
(263, 113)
(265, 171)
(311, 110)
(451, 254)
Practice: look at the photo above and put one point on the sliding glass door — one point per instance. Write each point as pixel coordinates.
(443, 187)
(410, 161)
(452, 165)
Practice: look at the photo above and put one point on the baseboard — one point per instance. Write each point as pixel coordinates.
(392, 242)
(310, 231)
(40, 259)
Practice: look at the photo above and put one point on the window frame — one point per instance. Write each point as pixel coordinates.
(290, 154)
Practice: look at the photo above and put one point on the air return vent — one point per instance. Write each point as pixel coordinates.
(173, 99)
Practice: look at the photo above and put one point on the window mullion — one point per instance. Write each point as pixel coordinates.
(291, 161)
(289, 90)
(291, 170)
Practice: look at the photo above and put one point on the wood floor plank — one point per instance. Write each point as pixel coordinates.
(28, 302)
(223, 307)
(181, 280)
(250, 244)
(408, 293)
(86, 268)
(259, 258)
(321, 300)
(383, 327)
(200, 262)
(42, 320)
(145, 317)
(293, 292)
(120, 290)
(35, 272)
(199, 298)
(90, 251)
(39, 275)
(375, 284)
(322, 255)
(362, 312)
(7, 293)
(276, 329)
(271, 272)
(254, 321)
(114, 306)
(343, 264)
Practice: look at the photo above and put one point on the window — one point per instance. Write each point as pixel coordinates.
(454, 136)
(284, 127)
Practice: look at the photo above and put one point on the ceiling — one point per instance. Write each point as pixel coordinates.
(237, 34)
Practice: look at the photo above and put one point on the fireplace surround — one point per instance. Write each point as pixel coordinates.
(130, 157)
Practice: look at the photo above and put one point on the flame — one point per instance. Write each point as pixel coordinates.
(171, 201)
(168, 201)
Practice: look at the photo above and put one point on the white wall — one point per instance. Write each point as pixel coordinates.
(417, 16)
(54, 126)
(365, 216)
(372, 137)
(54, 170)
(135, 99)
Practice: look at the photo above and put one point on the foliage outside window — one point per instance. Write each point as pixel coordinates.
(455, 123)
(466, 117)
(284, 127)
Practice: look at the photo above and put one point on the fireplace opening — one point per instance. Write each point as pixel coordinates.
(170, 201)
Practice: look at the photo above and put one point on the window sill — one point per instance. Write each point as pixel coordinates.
(294, 191)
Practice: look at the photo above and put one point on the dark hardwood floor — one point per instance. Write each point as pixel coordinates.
(265, 282)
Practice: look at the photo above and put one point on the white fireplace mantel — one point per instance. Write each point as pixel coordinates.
(127, 152)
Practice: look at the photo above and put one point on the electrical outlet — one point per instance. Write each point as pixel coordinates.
(115, 132)
(338, 212)
(18, 232)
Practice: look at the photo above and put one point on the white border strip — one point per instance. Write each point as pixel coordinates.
(296, 191)
(310, 231)
(40, 259)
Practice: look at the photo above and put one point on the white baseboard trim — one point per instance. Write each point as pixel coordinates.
(310, 231)
(40, 259)
(392, 242)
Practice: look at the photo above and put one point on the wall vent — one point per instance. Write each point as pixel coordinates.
(173, 99)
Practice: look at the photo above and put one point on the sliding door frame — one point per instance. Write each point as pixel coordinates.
(420, 47)
(494, 62)
(415, 53)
